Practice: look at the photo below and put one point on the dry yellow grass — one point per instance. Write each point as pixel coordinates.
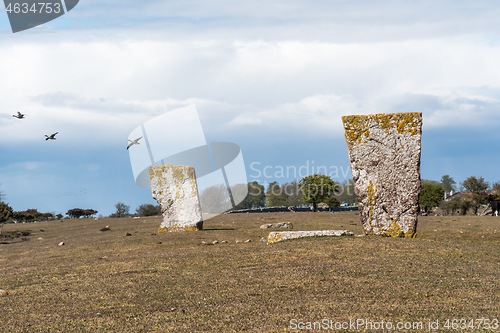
(170, 282)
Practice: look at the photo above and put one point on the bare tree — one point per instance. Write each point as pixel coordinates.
(121, 210)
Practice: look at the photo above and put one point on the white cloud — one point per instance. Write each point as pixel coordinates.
(320, 114)
(103, 89)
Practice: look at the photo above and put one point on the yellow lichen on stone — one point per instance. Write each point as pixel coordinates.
(372, 201)
(394, 230)
(273, 237)
(355, 127)
(178, 228)
(409, 122)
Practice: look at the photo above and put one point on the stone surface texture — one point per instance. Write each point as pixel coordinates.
(175, 189)
(275, 237)
(384, 152)
(282, 225)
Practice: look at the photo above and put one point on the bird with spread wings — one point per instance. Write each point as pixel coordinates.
(19, 115)
(134, 142)
(50, 137)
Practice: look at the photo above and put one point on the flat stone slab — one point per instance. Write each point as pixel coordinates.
(175, 190)
(279, 236)
(384, 152)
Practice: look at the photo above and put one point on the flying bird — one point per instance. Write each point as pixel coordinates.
(19, 115)
(135, 142)
(51, 137)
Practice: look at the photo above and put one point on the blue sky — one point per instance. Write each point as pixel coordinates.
(274, 77)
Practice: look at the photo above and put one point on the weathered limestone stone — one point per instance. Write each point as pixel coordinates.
(175, 189)
(284, 235)
(384, 152)
(282, 225)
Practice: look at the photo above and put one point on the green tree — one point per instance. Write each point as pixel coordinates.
(448, 183)
(316, 188)
(431, 195)
(148, 210)
(345, 192)
(477, 201)
(475, 185)
(478, 187)
(256, 195)
(89, 212)
(19, 216)
(255, 198)
(465, 203)
(445, 207)
(75, 213)
(275, 196)
(47, 216)
(32, 214)
(455, 204)
(331, 201)
(292, 194)
(5, 213)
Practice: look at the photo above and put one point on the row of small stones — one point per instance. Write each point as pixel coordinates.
(217, 242)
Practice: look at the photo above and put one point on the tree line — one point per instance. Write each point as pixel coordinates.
(311, 190)
(476, 192)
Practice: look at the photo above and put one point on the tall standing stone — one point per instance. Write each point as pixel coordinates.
(175, 189)
(384, 152)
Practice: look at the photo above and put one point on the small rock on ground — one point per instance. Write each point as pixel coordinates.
(61, 244)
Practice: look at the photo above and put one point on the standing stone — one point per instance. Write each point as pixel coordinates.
(175, 189)
(384, 152)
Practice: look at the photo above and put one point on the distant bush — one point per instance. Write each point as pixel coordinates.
(78, 212)
(148, 210)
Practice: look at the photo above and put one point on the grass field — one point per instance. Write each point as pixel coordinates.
(105, 281)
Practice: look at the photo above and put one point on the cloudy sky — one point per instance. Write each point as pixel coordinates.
(274, 77)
